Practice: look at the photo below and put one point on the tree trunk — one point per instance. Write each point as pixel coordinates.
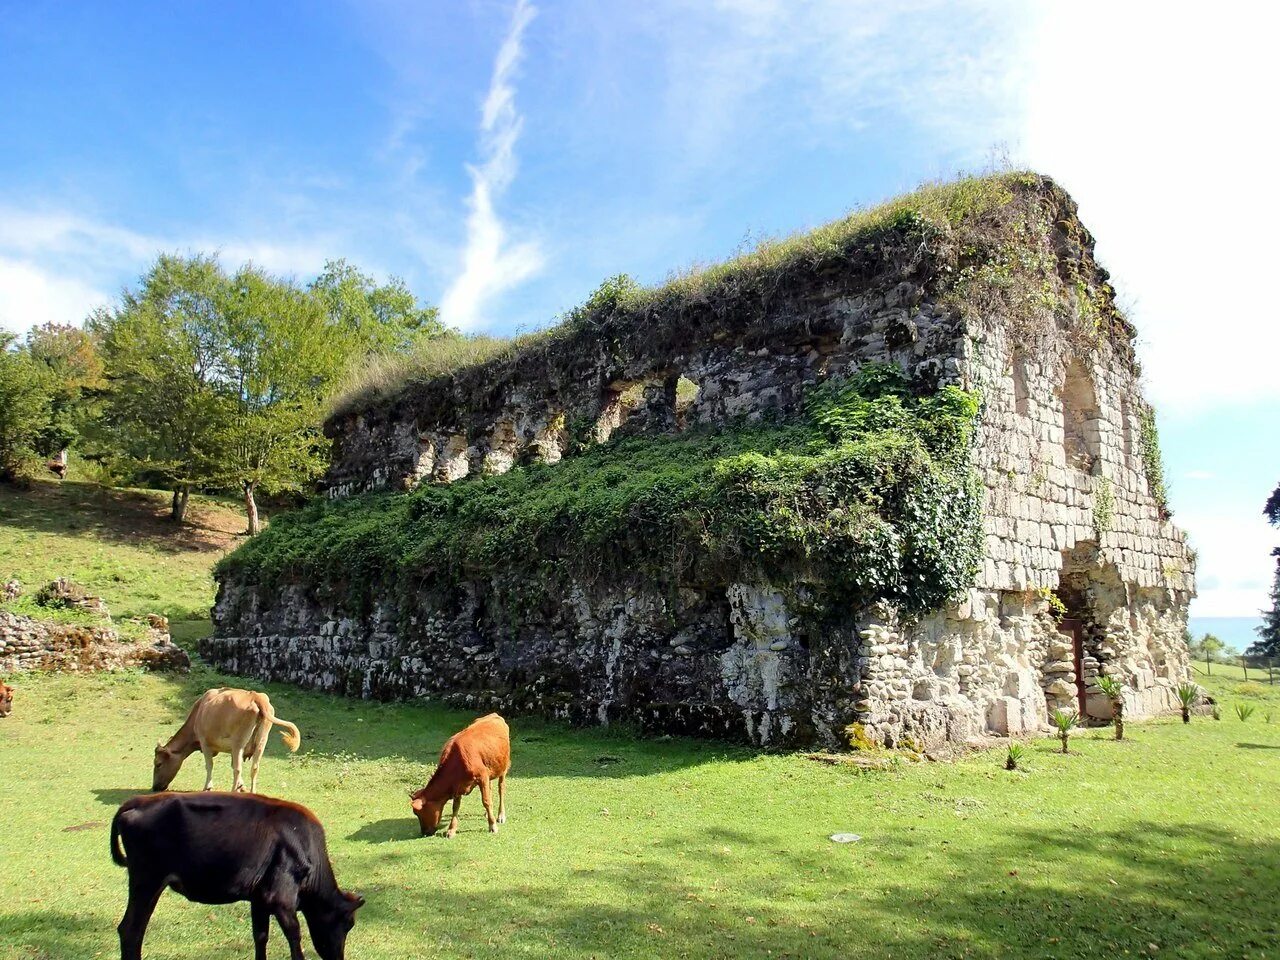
(251, 508)
(1064, 735)
(178, 508)
(1186, 714)
(1118, 709)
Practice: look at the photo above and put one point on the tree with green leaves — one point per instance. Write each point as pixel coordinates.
(218, 381)
(162, 350)
(375, 318)
(25, 408)
(279, 358)
(73, 362)
(1268, 642)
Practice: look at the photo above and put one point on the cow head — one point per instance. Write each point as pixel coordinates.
(168, 763)
(330, 919)
(427, 811)
(6, 699)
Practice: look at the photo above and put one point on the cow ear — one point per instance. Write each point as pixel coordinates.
(354, 902)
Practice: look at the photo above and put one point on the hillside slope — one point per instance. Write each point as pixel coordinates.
(119, 544)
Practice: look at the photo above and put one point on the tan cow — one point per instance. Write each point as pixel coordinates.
(6, 699)
(224, 720)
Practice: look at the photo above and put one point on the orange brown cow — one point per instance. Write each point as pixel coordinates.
(6, 699)
(476, 755)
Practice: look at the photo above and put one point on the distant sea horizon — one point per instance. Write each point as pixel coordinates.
(1237, 632)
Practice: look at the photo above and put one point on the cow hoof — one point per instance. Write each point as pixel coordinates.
(503, 818)
(493, 828)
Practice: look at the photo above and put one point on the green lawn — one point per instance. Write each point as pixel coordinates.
(117, 543)
(617, 847)
(623, 848)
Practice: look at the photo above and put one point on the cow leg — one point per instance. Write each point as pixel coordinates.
(261, 915)
(259, 744)
(453, 821)
(287, 917)
(208, 766)
(237, 766)
(133, 925)
(486, 799)
(502, 799)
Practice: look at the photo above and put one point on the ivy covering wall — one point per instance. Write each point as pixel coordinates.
(869, 493)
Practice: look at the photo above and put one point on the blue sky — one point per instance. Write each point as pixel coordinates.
(503, 157)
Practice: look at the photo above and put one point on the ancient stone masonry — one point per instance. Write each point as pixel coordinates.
(1070, 511)
(30, 644)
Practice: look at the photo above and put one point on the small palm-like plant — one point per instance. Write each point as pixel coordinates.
(1188, 696)
(1113, 690)
(1244, 711)
(1065, 722)
(1216, 712)
(1016, 752)
(1266, 716)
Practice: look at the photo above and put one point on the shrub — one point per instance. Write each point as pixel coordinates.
(1188, 696)
(1065, 722)
(1016, 752)
(1113, 690)
(1250, 689)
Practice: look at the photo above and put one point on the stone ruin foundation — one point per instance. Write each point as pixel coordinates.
(1072, 509)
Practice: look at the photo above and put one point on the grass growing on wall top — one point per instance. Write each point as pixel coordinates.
(870, 492)
(933, 208)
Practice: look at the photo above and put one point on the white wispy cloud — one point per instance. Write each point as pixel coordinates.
(56, 266)
(491, 263)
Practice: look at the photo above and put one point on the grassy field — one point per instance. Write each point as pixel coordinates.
(623, 848)
(1166, 844)
(118, 543)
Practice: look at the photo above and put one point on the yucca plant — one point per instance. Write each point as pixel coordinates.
(1113, 690)
(1065, 722)
(1016, 752)
(1188, 696)
(1244, 711)
(1266, 716)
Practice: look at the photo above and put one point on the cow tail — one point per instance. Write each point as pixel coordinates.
(291, 735)
(117, 853)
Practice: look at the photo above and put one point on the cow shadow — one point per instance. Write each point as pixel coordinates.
(388, 830)
(1258, 746)
(114, 796)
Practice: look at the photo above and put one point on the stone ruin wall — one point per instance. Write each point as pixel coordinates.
(769, 663)
(1060, 433)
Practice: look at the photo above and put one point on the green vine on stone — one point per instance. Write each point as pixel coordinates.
(1152, 462)
(870, 493)
(1104, 504)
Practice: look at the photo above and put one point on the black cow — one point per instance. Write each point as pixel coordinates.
(225, 847)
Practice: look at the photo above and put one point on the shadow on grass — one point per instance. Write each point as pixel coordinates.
(129, 517)
(389, 830)
(114, 796)
(44, 934)
(1258, 746)
(410, 734)
(1184, 891)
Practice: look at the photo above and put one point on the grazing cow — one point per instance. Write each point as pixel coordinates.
(224, 720)
(6, 699)
(226, 847)
(475, 755)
